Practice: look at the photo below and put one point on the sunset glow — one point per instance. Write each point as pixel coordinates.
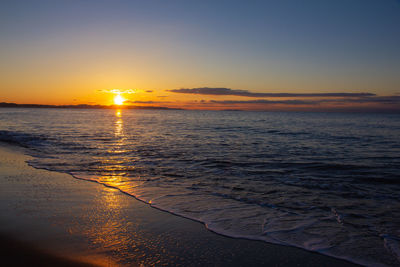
(216, 63)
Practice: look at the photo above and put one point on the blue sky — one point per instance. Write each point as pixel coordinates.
(262, 46)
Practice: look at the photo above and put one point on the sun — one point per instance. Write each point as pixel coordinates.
(118, 100)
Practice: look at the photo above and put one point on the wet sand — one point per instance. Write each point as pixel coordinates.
(15, 253)
(56, 220)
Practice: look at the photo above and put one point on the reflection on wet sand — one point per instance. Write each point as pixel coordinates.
(115, 234)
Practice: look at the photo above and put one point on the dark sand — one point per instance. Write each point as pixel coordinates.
(52, 219)
(15, 253)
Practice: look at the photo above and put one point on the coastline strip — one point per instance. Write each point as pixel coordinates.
(101, 225)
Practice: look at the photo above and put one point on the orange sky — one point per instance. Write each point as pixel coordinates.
(71, 53)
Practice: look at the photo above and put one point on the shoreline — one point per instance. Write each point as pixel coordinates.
(90, 222)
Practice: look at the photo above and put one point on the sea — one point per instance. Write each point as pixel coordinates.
(324, 182)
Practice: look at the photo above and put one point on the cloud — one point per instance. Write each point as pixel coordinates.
(145, 102)
(263, 101)
(228, 91)
(118, 91)
(394, 99)
(389, 100)
(149, 91)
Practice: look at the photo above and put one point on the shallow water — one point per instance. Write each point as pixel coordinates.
(327, 182)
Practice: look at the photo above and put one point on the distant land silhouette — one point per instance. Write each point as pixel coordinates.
(382, 109)
(81, 106)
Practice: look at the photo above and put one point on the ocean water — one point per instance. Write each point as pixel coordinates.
(325, 182)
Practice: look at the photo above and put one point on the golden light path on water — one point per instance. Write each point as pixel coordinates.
(118, 124)
(116, 177)
(115, 233)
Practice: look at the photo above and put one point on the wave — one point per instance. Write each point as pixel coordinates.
(330, 189)
(23, 139)
(244, 220)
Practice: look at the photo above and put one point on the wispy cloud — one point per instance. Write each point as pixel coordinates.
(263, 101)
(145, 102)
(235, 92)
(394, 99)
(118, 91)
(390, 100)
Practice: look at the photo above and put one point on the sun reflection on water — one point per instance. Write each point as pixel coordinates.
(118, 124)
(115, 169)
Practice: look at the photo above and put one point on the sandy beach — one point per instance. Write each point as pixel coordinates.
(49, 218)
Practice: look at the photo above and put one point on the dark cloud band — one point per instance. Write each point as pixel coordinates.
(389, 100)
(233, 92)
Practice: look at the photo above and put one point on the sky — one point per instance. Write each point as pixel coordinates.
(285, 54)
